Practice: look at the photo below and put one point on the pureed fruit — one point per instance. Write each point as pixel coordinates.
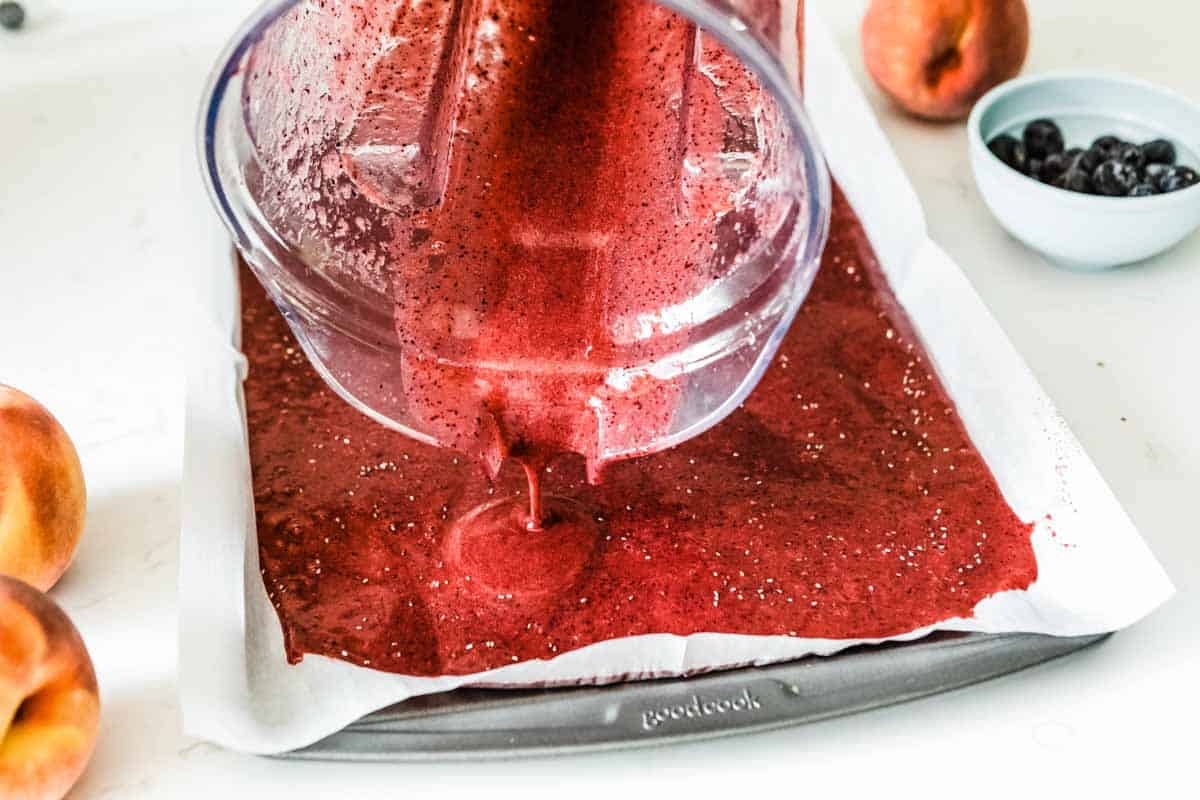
(843, 500)
(554, 196)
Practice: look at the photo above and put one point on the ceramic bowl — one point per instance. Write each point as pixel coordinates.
(1084, 231)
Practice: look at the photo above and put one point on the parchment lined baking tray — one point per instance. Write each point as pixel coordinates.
(1095, 574)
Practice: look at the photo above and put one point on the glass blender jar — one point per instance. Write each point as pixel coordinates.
(524, 228)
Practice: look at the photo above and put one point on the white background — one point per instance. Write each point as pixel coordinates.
(96, 107)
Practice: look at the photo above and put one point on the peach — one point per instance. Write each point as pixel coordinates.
(42, 495)
(935, 58)
(49, 701)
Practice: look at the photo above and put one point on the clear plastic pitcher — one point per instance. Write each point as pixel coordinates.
(510, 226)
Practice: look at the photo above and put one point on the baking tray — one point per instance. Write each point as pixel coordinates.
(495, 723)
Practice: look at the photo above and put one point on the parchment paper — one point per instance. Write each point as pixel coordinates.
(1095, 574)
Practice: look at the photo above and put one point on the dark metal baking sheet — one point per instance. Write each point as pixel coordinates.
(492, 723)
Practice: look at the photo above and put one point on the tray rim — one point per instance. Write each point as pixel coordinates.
(440, 727)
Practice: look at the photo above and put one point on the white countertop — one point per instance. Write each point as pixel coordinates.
(105, 97)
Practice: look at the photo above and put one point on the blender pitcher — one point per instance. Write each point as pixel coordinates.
(524, 227)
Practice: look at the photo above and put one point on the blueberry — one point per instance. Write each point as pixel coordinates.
(1092, 158)
(1114, 179)
(1054, 166)
(1073, 153)
(1130, 154)
(1033, 168)
(1042, 138)
(1075, 179)
(1009, 150)
(1159, 151)
(1143, 190)
(1176, 178)
(12, 15)
(1107, 145)
(1153, 172)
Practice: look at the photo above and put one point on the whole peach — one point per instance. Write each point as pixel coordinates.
(42, 495)
(935, 58)
(49, 701)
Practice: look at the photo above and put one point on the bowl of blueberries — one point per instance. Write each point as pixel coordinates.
(1094, 171)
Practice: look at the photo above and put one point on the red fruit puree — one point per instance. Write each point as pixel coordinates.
(564, 219)
(843, 500)
(553, 175)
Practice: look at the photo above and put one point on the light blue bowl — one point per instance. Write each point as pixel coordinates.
(1084, 231)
